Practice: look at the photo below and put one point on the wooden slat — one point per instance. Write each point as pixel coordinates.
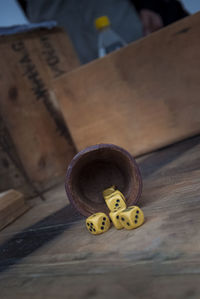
(142, 97)
(12, 174)
(12, 205)
(30, 63)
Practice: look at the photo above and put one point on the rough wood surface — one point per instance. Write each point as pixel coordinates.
(30, 63)
(12, 173)
(49, 253)
(12, 205)
(9, 173)
(141, 97)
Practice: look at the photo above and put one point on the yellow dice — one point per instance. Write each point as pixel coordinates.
(115, 201)
(98, 223)
(115, 217)
(108, 191)
(131, 217)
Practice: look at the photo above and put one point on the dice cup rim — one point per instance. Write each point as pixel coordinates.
(80, 156)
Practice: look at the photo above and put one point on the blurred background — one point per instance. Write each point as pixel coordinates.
(131, 19)
(12, 14)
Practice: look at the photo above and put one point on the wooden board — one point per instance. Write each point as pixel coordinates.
(12, 173)
(12, 205)
(142, 97)
(48, 253)
(31, 61)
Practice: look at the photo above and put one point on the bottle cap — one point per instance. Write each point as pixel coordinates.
(102, 22)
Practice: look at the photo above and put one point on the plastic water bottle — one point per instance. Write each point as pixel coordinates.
(108, 40)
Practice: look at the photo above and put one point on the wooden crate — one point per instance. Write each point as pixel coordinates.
(30, 63)
(11, 169)
(12, 205)
(142, 97)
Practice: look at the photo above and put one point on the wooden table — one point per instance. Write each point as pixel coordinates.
(48, 252)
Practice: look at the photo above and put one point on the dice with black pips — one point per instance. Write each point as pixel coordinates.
(98, 223)
(115, 201)
(115, 217)
(107, 192)
(132, 217)
(112, 191)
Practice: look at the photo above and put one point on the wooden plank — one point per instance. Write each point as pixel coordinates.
(142, 97)
(30, 63)
(12, 173)
(55, 256)
(128, 283)
(12, 205)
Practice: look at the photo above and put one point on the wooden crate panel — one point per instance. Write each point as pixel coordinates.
(142, 97)
(30, 63)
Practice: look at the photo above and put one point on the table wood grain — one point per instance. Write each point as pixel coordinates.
(48, 253)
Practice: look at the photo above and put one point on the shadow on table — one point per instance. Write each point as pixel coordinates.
(162, 157)
(32, 238)
(26, 242)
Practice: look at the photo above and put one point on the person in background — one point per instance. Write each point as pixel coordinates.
(155, 14)
(131, 19)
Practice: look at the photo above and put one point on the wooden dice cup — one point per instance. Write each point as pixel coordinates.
(96, 168)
